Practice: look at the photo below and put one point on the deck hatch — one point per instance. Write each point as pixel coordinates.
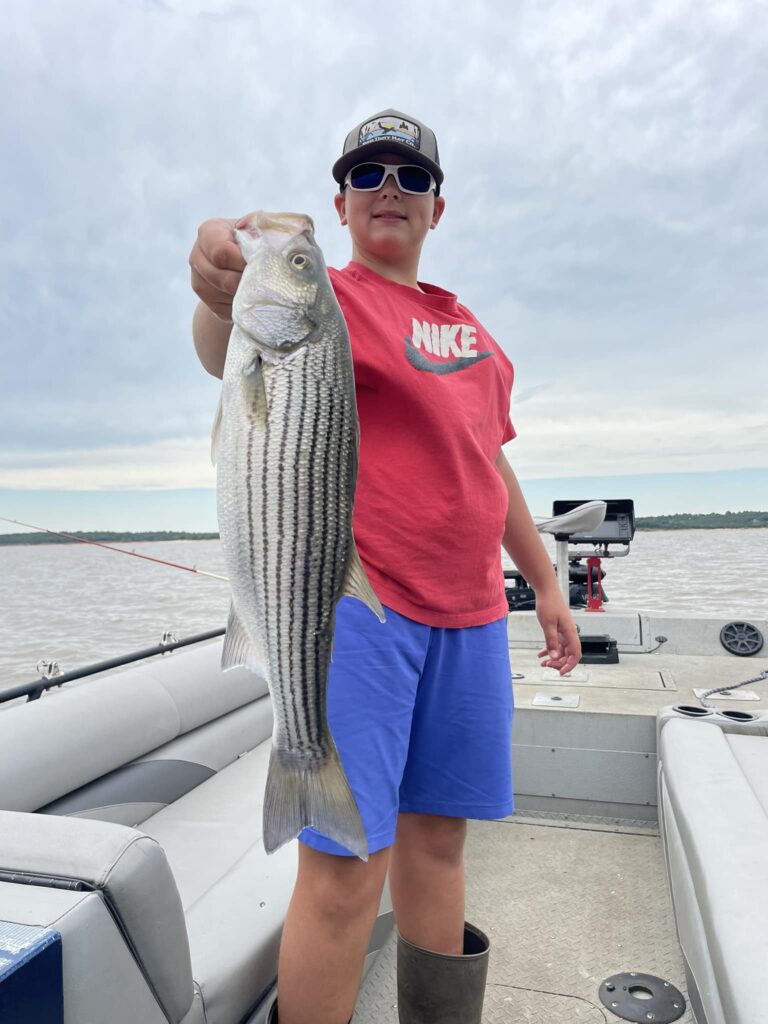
(609, 677)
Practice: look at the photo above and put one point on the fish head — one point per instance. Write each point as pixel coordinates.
(281, 294)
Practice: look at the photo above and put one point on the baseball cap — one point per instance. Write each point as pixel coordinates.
(390, 131)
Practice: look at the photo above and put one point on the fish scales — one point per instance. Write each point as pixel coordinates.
(318, 551)
(287, 443)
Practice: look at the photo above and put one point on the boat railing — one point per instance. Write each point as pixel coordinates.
(53, 676)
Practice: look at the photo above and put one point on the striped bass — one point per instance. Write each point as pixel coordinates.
(285, 443)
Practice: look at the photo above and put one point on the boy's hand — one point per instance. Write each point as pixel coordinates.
(217, 265)
(563, 649)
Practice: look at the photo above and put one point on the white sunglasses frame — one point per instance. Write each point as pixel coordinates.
(392, 169)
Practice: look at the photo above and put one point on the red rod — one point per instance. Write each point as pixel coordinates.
(112, 547)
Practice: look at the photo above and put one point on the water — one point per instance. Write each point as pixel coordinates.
(77, 604)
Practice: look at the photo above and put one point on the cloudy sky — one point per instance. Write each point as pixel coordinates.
(607, 219)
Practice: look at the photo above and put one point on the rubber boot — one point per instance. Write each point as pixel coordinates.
(435, 988)
(272, 1017)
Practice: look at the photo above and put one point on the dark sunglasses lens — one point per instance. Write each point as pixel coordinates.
(415, 179)
(366, 176)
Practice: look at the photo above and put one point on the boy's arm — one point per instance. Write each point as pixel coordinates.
(211, 337)
(524, 546)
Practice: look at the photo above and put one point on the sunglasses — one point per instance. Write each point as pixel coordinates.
(409, 177)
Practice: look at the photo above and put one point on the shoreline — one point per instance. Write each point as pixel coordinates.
(656, 524)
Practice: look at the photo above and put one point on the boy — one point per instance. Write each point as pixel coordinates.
(421, 706)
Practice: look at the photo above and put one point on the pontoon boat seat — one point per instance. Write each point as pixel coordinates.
(583, 519)
(713, 814)
(147, 786)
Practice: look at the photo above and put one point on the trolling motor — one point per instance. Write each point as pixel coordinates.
(581, 587)
(577, 522)
(604, 526)
(617, 529)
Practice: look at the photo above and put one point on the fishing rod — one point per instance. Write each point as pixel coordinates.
(112, 547)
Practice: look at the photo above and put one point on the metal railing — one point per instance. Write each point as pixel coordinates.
(34, 689)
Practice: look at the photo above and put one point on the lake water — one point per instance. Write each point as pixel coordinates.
(75, 603)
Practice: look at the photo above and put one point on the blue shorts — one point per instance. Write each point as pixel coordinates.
(422, 718)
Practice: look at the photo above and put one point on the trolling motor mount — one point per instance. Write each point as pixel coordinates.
(642, 998)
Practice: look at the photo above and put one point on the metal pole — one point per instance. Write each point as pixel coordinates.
(562, 567)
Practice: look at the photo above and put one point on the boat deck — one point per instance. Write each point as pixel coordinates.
(642, 683)
(567, 897)
(566, 904)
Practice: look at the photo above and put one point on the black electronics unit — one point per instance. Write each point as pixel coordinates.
(618, 527)
(599, 650)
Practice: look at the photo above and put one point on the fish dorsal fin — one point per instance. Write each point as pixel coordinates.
(357, 584)
(216, 432)
(239, 649)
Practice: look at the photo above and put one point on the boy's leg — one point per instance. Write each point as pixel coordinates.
(459, 766)
(426, 879)
(326, 934)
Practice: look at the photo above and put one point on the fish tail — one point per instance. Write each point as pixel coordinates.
(320, 798)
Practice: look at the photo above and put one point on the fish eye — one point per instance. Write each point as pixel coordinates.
(299, 260)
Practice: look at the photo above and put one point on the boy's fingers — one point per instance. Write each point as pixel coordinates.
(217, 251)
(552, 640)
(217, 265)
(209, 279)
(224, 254)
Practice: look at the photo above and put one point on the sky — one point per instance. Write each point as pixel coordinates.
(606, 219)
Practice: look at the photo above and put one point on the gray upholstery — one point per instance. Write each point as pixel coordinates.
(102, 981)
(56, 744)
(137, 790)
(165, 736)
(713, 804)
(130, 873)
(235, 897)
(185, 919)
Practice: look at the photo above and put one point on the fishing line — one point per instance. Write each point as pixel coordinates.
(122, 551)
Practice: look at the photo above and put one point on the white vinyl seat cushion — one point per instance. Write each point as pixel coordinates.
(714, 807)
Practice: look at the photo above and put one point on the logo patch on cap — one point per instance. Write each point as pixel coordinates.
(395, 128)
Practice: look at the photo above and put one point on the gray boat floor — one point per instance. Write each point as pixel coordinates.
(569, 900)
(566, 903)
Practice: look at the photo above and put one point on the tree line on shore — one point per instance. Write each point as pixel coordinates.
(678, 521)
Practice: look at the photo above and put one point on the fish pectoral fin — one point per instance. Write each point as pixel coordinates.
(216, 431)
(239, 649)
(254, 390)
(357, 584)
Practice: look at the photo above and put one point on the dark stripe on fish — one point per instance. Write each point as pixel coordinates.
(307, 574)
(249, 497)
(280, 532)
(322, 618)
(294, 541)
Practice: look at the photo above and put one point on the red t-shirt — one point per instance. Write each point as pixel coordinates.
(433, 394)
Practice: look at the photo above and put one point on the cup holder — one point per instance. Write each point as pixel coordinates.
(738, 716)
(691, 711)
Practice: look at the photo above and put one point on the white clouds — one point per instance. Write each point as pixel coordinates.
(165, 465)
(559, 436)
(604, 177)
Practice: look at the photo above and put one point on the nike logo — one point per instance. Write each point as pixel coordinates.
(418, 360)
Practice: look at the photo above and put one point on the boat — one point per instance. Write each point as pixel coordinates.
(629, 884)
